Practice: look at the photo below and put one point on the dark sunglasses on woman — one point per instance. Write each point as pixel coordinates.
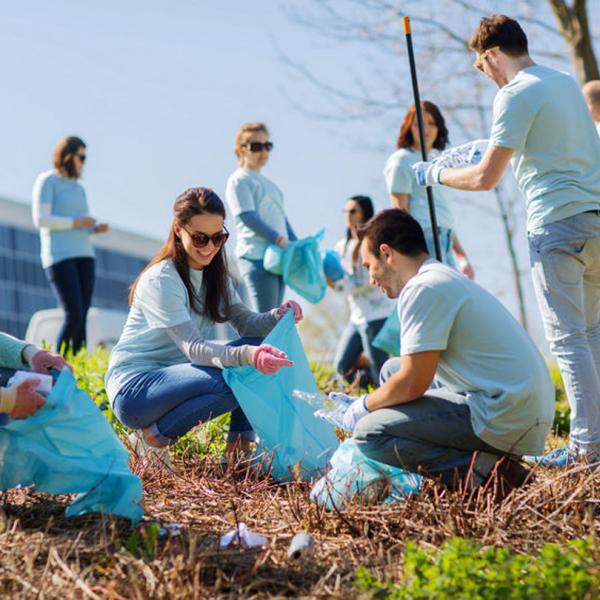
(200, 240)
(259, 146)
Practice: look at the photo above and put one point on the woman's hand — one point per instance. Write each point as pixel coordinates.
(44, 362)
(268, 360)
(465, 267)
(28, 401)
(282, 242)
(84, 222)
(290, 305)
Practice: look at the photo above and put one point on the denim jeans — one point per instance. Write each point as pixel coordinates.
(432, 435)
(175, 399)
(356, 339)
(72, 281)
(565, 265)
(265, 289)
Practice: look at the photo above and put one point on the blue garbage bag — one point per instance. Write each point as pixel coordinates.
(354, 477)
(301, 266)
(69, 447)
(388, 337)
(286, 425)
(332, 265)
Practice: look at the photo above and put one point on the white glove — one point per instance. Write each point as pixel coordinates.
(427, 173)
(354, 413)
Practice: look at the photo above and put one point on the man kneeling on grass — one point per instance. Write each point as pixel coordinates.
(471, 393)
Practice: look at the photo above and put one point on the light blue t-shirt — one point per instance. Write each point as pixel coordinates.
(248, 190)
(484, 354)
(400, 179)
(542, 116)
(160, 301)
(60, 196)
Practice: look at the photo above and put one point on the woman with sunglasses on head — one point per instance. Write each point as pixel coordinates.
(260, 219)
(60, 210)
(369, 308)
(163, 376)
(406, 194)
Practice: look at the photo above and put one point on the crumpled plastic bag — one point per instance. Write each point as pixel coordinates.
(388, 337)
(69, 447)
(301, 266)
(288, 430)
(242, 535)
(354, 477)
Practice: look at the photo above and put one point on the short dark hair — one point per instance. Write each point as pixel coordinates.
(397, 229)
(64, 155)
(501, 31)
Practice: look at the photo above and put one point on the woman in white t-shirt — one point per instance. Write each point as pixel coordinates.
(163, 376)
(260, 219)
(369, 308)
(406, 194)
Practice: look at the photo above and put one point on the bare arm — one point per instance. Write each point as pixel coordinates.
(407, 385)
(480, 177)
(400, 201)
(463, 262)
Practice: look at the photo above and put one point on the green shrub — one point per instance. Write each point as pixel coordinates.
(464, 569)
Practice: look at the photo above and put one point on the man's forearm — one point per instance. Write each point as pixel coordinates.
(471, 179)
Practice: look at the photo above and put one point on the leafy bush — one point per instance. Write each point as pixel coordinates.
(464, 569)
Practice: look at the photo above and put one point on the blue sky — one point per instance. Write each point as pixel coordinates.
(158, 88)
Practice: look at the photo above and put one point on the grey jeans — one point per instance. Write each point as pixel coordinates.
(432, 435)
(565, 265)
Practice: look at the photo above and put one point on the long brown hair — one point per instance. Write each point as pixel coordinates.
(406, 138)
(63, 155)
(215, 288)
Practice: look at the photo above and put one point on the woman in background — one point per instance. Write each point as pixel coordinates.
(407, 195)
(60, 211)
(260, 219)
(369, 308)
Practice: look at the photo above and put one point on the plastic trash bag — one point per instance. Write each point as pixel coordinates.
(353, 476)
(286, 425)
(332, 265)
(388, 337)
(301, 266)
(69, 447)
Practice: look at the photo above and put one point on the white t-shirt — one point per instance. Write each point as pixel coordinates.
(160, 301)
(367, 303)
(248, 190)
(484, 354)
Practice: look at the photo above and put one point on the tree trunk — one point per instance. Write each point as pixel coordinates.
(574, 27)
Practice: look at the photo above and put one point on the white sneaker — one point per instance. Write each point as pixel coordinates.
(140, 448)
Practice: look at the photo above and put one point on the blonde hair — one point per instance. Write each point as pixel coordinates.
(244, 132)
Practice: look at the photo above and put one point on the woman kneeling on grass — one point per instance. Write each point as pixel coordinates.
(163, 376)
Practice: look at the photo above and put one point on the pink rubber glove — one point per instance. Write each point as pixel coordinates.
(43, 361)
(290, 305)
(268, 360)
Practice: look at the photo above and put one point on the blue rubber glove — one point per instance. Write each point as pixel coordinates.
(427, 173)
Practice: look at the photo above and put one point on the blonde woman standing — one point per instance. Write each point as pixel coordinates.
(259, 212)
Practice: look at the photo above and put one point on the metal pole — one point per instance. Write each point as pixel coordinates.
(415, 86)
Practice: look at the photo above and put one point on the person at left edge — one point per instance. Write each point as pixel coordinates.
(164, 376)
(60, 211)
(260, 219)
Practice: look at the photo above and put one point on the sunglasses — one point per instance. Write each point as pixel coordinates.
(81, 157)
(259, 146)
(478, 64)
(200, 240)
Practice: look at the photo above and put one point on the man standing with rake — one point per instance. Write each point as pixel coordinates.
(542, 126)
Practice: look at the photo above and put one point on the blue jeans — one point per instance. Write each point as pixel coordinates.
(432, 435)
(72, 281)
(175, 399)
(565, 265)
(265, 289)
(445, 236)
(356, 339)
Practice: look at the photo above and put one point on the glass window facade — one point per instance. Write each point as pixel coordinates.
(24, 289)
